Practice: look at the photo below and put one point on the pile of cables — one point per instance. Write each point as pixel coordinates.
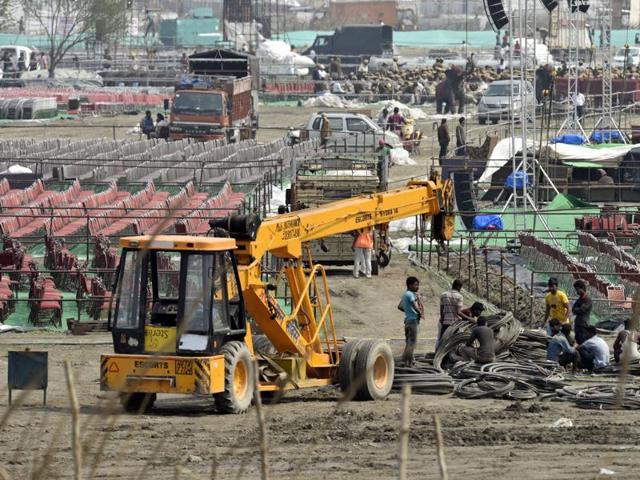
(423, 378)
(506, 379)
(530, 345)
(601, 397)
(506, 330)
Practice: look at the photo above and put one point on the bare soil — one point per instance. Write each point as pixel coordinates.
(309, 435)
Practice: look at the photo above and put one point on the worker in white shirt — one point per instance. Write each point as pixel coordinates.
(580, 101)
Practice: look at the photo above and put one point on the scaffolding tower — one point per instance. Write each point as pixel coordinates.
(607, 122)
(526, 169)
(576, 28)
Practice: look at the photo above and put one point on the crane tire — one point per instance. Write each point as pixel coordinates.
(374, 369)
(261, 344)
(239, 380)
(346, 368)
(137, 402)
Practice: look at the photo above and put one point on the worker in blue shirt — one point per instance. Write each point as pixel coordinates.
(559, 348)
(411, 305)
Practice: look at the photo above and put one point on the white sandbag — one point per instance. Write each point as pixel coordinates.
(399, 156)
(415, 113)
(276, 58)
(16, 169)
(329, 100)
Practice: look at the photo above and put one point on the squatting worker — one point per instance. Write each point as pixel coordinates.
(627, 339)
(594, 352)
(411, 305)
(485, 352)
(582, 311)
(559, 348)
(557, 304)
(450, 307)
(473, 312)
(363, 246)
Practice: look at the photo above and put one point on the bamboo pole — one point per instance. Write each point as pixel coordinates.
(75, 422)
(405, 427)
(440, 449)
(262, 426)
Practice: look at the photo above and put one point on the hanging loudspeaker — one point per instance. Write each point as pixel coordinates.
(496, 14)
(550, 5)
(583, 5)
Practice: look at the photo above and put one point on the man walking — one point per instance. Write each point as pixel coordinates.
(485, 352)
(363, 245)
(443, 139)
(450, 307)
(461, 142)
(582, 311)
(413, 310)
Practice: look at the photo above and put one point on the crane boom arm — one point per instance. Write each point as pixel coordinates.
(284, 235)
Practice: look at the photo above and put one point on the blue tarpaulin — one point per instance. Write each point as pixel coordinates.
(569, 139)
(521, 179)
(487, 222)
(606, 136)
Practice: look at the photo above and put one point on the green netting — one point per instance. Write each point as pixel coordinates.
(564, 201)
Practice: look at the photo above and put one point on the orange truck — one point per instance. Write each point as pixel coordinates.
(215, 99)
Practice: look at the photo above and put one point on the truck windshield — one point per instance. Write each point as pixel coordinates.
(128, 291)
(192, 102)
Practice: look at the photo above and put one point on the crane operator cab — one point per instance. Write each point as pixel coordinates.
(177, 319)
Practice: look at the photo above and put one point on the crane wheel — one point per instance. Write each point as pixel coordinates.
(239, 381)
(374, 370)
(346, 369)
(137, 402)
(261, 344)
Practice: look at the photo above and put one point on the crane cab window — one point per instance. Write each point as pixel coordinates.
(128, 290)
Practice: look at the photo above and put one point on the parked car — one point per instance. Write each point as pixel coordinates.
(502, 99)
(632, 55)
(352, 130)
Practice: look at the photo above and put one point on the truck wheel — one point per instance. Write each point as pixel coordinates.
(346, 369)
(137, 402)
(374, 364)
(239, 381)
(261, 344)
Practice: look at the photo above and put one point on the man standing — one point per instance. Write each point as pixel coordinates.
(383, 117)
(413, 310)
(443, 139)
(363, 245)
(395, 122)
(485, 352)
(146, 124)
(557, 304)
(325, 130)
(582, 311)
(450, 307)
(461, 142)
(580, 101)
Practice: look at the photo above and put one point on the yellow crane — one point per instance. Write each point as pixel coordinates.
(183, 306)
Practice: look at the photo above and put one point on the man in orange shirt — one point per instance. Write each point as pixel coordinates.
(363, 245)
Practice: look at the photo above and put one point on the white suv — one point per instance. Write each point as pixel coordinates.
(352, 130)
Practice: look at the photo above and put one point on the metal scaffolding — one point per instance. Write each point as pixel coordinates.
(573, 122)
(607, 122)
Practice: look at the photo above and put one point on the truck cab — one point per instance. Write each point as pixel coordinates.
(215, 100)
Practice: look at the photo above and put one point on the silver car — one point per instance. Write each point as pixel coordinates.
(352, 131)
(503, 99)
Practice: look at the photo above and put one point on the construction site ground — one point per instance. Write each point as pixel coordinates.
(309, 434)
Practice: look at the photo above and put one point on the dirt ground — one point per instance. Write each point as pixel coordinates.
(309, 435)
